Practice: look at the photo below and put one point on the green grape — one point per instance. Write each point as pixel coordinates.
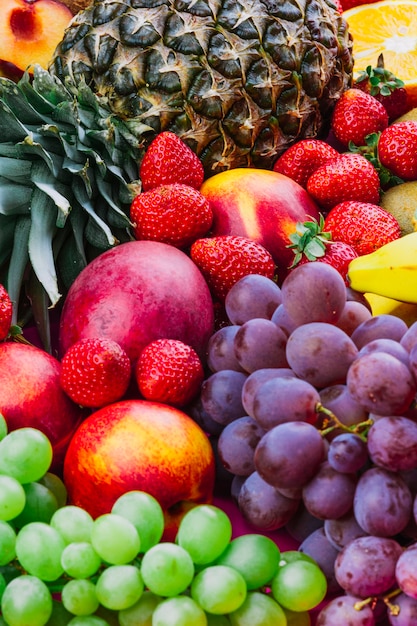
(40, 505)
(59, 616)
(26, 601)
(39, 548)
(179, 611)
(79, 597)
(299, 586)
(219, 589)
(3, 427)
(145, 513)
(108, 615)
(217, 620)
(258, 609)
(88, 620)
(297, 618)
(255, 556)
(204, 532)
(25, 454)
(12, 498)
(80, 560)
(7, 543)
(3, 585)
(140, 614)
(119, 587)
(167, 569)
(73, 523)
(57, 486)
(294, 555)
(115, 539)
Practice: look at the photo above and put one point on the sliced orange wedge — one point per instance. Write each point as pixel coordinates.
(388, 27)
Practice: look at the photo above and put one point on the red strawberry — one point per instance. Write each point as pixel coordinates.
(176, 214)
(169, 160)
(349, 4)
(95, 372)
(349, 177)
(169, 371)
(397, 149)
(364, 226)
(6, 311)
(310, 242)
(356, 115)
(385, 87)
(301, 159)
(223, 260)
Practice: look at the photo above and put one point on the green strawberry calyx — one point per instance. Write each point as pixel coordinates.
(309, 240)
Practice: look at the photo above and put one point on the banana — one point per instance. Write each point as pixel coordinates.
(380, 305)
(390, 271)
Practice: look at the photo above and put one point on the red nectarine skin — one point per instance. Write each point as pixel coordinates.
(260, 204)
(138, 292)
(139, 445)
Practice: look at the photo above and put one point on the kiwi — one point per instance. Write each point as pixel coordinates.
(401, 202)
(410, 115)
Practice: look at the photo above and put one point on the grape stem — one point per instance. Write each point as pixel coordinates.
(331, 421)
(393, 608)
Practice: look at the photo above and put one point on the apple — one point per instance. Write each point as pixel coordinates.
(140, 445)
(31, 395)
(135, 293)
(260, 204)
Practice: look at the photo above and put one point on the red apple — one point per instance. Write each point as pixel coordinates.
(31, 395)
(140, 445)
(260, 204)
(138, 292)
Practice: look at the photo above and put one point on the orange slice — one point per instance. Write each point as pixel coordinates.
(388, 27)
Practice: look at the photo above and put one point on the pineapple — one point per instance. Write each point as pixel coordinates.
(238, 80)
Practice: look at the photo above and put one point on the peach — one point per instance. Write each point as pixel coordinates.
(260, 204)
(140, 445)
(30, 30)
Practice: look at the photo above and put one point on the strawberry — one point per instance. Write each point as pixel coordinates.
(169, 371)
(310, 242)
(223, 260)
(349, 177)
(176, 214)
(385, 87)
(397, 149)
(364, 226)
(169, 160)
(6, 311)
(301, 159)
(356, 115)
(95, 372)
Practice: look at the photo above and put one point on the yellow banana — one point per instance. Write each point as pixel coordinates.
(390, 271)
(380, 305)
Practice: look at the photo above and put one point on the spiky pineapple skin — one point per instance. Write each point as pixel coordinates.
(238, 80)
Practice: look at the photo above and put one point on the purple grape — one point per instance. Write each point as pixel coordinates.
(386, 345)
(338, 400)
(290, 454)
(329, 494)
(259, 343)
(347, 453)
(203, 419)
(378, 327)
(284, 399)
(409, 339)
(405, 610)
(221, 350)
(342, 611)
(413, 361)
(382, 503)
(314, 292)
(236, 445)
(320, 353)
(264, 507)
(256, 379)
(252, 296)
(340, 531)
(235, 486)
(392, 443)
(406, 571)
(318, 547)
(221, 396)
(283, 320)
(302, 524)
(356, 296)
(353, 314)
(381, 383)
(366, 565)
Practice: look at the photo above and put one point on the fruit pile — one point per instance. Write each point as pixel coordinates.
(58, 565)
(312, 402)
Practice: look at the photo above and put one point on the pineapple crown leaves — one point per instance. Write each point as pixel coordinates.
(370, 151)
(309, 240)
(68, 172)
(381, 80)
